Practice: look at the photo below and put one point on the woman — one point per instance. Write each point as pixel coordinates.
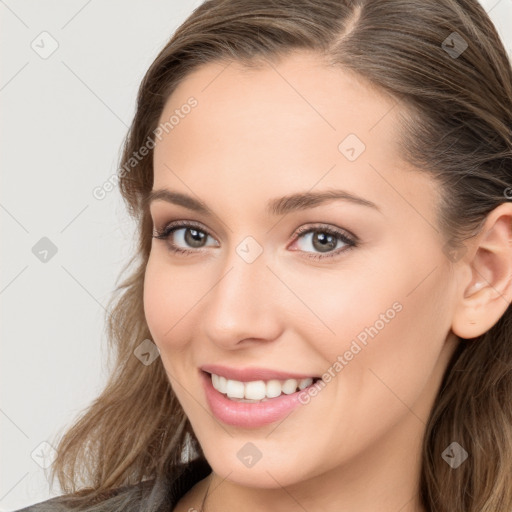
(319, 314)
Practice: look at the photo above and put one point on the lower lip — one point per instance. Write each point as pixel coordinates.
(245, 414)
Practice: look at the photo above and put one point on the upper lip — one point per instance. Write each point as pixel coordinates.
(249, 374)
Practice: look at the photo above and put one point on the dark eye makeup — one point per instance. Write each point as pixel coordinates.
(328, 234)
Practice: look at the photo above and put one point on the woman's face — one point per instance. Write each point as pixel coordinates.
(358, 291)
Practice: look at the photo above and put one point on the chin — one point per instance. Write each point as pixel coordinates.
(259, 463)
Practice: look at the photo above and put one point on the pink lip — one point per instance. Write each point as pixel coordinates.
(250, 374)
(245, 414)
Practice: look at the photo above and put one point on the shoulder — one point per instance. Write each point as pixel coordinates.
(146, 495)
(50, 505)
(43, 506)
(108, 502)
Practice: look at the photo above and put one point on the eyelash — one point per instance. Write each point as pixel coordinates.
(173, 226)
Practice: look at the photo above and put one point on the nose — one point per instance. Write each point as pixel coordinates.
(243, 305)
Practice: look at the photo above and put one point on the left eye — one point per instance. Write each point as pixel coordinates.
(193, 237)
(322, 240)
(325, 240)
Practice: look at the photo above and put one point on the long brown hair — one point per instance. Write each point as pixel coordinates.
(457, 92)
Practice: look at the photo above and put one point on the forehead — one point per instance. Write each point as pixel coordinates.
(295, 97)
(280, 103)
(282, 125)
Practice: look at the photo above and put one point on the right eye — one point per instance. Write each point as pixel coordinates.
(183, 237)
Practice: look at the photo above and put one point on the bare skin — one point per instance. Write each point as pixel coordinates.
(270, 132)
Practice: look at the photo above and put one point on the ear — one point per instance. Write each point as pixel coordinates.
(486, 288)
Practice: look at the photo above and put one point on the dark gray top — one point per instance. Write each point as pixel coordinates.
(143, 497)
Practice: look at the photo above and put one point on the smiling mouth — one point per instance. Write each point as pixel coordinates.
(259, 390)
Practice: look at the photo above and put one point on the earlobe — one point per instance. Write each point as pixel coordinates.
(487, 293)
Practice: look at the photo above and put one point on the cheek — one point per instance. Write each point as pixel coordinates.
(400, 346)
(168, 302)
(346, 305)
(388, 324)
(172, 293)
(165, 301)
(155, 306)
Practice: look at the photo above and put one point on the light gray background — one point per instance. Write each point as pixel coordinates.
(63, 120)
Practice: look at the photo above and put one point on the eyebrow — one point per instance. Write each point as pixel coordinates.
(277, 206)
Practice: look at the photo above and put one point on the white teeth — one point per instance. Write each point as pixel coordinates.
(273, 388)
(257, 390)
(235, 389)
(289, 386)
(223, 384)
(304, 383)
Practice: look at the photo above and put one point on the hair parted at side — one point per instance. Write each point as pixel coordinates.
(456, 116)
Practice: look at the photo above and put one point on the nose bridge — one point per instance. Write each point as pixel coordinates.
(243, 302)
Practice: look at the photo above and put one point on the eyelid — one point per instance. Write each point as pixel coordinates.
(320, 226)
(164, 218)
(177, 224)
(299, 231)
